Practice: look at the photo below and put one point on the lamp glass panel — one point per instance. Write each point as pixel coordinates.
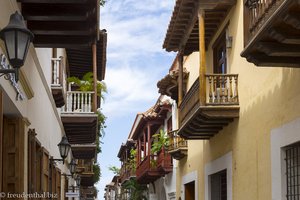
(9, 37)
(23, 39)
(63, 151)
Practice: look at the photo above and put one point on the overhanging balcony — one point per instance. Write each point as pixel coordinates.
(80, 122)
(164, 162)
(58, 82)
(178, 146)
(272, 32)
(127, 171)
(61, 23)
(203, 121)
(147, 171)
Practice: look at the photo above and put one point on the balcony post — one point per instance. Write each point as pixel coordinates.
(94, 49)
(180, 77)
(202, 68)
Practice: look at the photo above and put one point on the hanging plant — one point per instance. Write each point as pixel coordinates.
(161, 140)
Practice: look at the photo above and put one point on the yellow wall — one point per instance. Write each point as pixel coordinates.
(269, 97)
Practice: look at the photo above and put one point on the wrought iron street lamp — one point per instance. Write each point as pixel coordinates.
(64, 148)
(17, 39)
(73, 166)
(78, 180)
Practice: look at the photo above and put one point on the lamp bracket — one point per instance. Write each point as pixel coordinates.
(54, 161)
(10, 74)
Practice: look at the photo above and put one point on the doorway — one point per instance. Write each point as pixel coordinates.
(189, 191)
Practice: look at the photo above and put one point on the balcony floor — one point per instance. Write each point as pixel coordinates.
(276, 39)
(206, 121)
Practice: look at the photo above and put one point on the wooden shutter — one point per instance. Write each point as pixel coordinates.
(31, 161)
(58, 183)
(45, 170)
(38, 167)
(13, 150)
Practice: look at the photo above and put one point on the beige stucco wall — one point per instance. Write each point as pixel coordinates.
(269, 97)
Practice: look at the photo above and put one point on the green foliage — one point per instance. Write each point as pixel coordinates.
(160, 140)
(114, 169)
(137, 191)
(97, 172)
(87, 84)
(132, 159)
(101, 127)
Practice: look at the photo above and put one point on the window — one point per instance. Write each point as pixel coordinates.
(220, 54)
(292, 161)
(218, 186)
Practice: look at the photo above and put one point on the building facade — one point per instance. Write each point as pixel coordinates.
(240, 119)
(40, 109)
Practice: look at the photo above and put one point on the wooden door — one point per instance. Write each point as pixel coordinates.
(189, 190)
(13, 154)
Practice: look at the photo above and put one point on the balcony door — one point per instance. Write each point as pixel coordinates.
(189, 191)
(220, 55)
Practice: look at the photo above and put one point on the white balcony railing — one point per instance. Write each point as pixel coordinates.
(78, 102)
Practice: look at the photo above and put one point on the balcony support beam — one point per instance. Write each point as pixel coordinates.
(180, 77)
(202, 68)
(94, 49)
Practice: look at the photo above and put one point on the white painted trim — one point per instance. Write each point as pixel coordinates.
(224, 162)
(281, 137)
(190, 177)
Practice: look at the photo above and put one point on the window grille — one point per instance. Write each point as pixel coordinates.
(218, 183)
(292, 161)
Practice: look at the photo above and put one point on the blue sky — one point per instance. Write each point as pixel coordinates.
(135, 62)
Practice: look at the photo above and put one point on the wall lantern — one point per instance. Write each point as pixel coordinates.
(64, 147)
(73, 165)
(78, 180)
(17, 39)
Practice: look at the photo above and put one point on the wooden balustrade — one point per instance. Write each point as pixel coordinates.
(189, 102)
(87, 167)
(222, 89)
(58, 72)
(256, 13)
(175, 141)
(164, 160)
(79, 102)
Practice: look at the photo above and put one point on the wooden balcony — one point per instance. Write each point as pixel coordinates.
(178, 146)
(61, 23)
(58, 82)
(198, 121)
(84, 151)
(164, 162)
(80, 122)
(147, 171)
(272, 32)
(85, 167)
(127, 172)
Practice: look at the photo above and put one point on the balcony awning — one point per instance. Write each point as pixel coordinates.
(183, 29)
(80, 128)
(62, 23)
(80, 59)
(84, 151)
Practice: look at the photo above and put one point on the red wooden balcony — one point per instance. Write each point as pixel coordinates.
(147, 171)
(164, 162)
(127, 172)
(272, 32)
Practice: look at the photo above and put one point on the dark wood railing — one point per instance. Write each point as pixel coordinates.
(176, 141)
(190, 101)
(256, 13)
(148, 164)
(164, 159)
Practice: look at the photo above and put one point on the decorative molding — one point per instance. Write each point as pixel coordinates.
(26, 86)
